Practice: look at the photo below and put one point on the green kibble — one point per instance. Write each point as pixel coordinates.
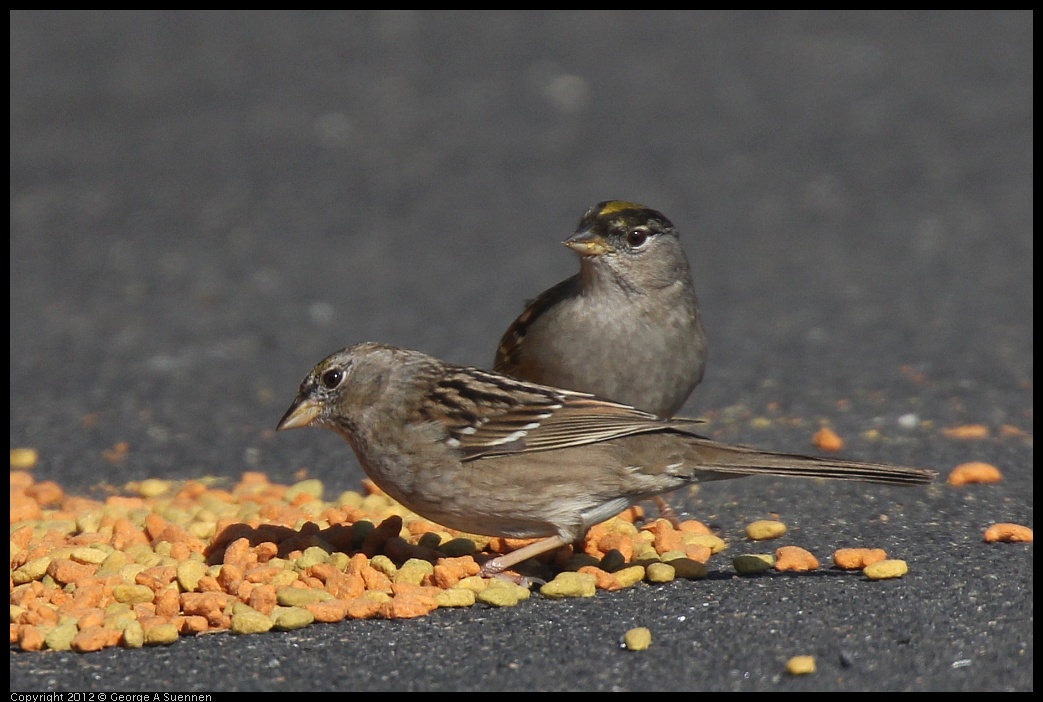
(189, 574)
(753, 563)
(688, 569)
(457, 547)
(612, 561)
(312, 556)
(413, 571)
(299, 597)
(288, 618)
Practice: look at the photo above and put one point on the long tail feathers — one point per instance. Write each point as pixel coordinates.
(736, 460)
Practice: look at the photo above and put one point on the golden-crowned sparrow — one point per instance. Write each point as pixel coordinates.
(486, 453)
(625, 327)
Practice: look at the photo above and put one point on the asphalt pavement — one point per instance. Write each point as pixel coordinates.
(203, 205)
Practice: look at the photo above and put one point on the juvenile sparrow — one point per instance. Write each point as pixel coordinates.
(486, 453)
(625, 327)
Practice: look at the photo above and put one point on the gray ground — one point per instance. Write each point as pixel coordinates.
(203, 205)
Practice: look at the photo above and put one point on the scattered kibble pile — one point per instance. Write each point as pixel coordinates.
(180, 558)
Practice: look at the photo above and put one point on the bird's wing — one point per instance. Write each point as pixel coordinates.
(489, 414)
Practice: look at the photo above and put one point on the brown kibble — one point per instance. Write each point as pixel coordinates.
(858, 558)
(967, 431)
(1009, 533)
(975, 472)
(794, 558)
(827, 440)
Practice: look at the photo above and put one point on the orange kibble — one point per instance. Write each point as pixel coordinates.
(967, 431)
(794, 558)
(617, 541)
(24, 508)
(603, 580)
(858, 558)
(46, 493)
(188, 624)
(67, 571)
(95, 638)
(1009, 533)
(698, 552)
(827, 440)
(117, 453)
(966, 473)
(358, 608)
(30, 638)
(693, 526)
(329, 611)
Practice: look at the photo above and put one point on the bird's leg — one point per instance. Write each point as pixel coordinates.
(507, 560)
(666, 511)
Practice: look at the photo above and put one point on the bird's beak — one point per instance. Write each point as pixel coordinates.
(301, 413)
(587, 243)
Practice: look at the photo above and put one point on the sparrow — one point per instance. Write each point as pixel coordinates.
(485, 453)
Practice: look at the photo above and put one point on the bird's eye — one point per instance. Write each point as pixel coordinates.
(637, 237)
(332, 378)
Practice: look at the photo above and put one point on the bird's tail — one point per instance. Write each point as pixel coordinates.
(735, 461)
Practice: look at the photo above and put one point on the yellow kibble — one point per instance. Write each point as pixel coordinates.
(153, 487)
(883, 570)
(312, 488)
(250, 621)
(498, 596)
(133, 594)
(384, 564)
(660, 573)
(764, 529)
(60, 637)
(455, 597)
(24, 458)
(570, 584)
(628, 577)
(160, 635)
(800, 665)
(133, 635)
(33, 570)
(713, 542)
(637, 639)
